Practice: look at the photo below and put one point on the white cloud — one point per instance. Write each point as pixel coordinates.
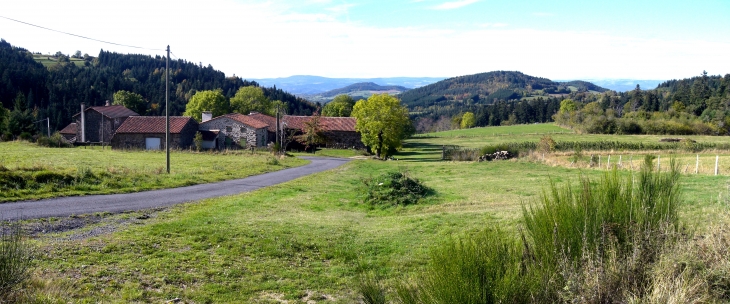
(454, 4)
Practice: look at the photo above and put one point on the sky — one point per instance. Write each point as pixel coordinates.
(559, 39)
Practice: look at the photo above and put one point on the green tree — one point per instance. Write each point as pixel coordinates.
(212, 101)
(251, 99)
(567, 106)
(20, 119)
(468, 120)
(340, 106)
(131, 100)
(3, 118)
(312, 133)
(381, 121)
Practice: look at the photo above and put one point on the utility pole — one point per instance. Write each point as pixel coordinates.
(167, 108)
(278, 142)
(48, 125)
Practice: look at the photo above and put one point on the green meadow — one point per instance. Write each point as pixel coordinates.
(311, 240)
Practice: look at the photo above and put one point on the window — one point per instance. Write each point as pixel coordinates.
(243, 129)
(229, 129)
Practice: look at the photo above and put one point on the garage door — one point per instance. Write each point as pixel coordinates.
(152, 143)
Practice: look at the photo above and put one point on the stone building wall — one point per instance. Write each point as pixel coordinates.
(136, 141)
(343, 140)
(94, 127)
(241, 135)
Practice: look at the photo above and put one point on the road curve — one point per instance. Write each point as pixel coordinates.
(75, 205)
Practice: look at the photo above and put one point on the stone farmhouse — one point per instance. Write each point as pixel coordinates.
(148, 132)
(99, 124)
(69, 132)
(339, 132)
(234, 131)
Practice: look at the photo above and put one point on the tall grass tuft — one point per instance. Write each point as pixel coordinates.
(483, 268)
(616, 219)
(15, 262)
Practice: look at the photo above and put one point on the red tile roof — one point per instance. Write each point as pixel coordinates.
(327, 123)
(269, 120)
(70, 129)
(153, 124)
(244, 120)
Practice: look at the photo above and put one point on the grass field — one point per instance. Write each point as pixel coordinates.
(49, 60)
(311, 239)
(116, 171)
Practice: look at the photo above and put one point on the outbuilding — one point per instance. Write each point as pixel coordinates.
(148, 132)
(236, 131)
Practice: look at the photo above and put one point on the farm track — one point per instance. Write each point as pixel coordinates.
(114, 203)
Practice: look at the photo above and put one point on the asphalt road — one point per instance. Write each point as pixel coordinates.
(76, 205)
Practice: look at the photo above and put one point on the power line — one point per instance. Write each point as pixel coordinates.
(84, 37)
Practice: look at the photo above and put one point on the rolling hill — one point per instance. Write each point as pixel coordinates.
(486, 88)
(361, 90)
(312, 85)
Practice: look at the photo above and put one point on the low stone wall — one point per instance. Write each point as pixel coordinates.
(343, 140)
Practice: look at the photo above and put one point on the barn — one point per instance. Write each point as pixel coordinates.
(235, 131)
(148, 132)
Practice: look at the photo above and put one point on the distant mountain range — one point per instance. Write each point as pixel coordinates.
(623, 85)
(312, 85)
(360, 90)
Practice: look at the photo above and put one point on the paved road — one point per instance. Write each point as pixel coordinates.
(66, 206)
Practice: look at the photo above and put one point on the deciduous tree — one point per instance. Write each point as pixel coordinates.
(381, 121)
(251, 99)
(312, 133)
(468, 120)
(212, 101)
(131, 100)
(340, 106)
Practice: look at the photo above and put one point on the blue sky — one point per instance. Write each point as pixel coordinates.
(372, 38)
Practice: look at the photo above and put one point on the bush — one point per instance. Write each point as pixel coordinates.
(15, 261)
(394, 189)
(483, 268)
(55, 141)
(547, 144)
(26, 136)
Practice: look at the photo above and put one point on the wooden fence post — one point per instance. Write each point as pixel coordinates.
(619, 160)
(608, 163)
(717, 163)
(659, 163)
(599, 161)
(697, 164)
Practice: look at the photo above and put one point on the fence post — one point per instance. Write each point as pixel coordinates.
(717, 162)
(658, 163)
(608, 163)
(619, 160)
(599, 160)
(443, 152)
(697, 164)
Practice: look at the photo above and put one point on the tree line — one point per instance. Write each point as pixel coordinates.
(58, 90)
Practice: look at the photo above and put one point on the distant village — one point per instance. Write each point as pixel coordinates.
(122, 128)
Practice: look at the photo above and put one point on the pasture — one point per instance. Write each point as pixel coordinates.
(313, 239)
(33, 172)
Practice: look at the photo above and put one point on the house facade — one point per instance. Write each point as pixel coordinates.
(237, 131)
(99, 124)
(148, 132)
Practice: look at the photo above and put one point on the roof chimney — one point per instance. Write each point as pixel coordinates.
(83, 124)
(207, 115)
(107, 103)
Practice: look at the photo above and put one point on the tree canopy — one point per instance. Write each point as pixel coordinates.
(251, 99)
(131, 100)
(468, 120)
(340, 106)
(382, 122)
(211, 100)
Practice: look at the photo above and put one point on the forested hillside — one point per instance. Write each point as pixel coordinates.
(486, 88)
(58, 91)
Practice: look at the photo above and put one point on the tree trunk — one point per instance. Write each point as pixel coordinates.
(380, 144)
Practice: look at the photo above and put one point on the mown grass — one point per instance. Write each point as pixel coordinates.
(311, 238)
(49, 172)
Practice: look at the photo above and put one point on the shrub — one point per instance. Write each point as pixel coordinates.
(15, 261)
(26, 136)
(483, 268)
(198, 141)
(55, 141)
(547, 144)
(394, 189)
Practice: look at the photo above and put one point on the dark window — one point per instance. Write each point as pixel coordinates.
(243, 130)
(229, 129)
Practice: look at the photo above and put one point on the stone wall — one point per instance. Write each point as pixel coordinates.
(239, 134)
(136, 141)
(343, 140)
(95, 131)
